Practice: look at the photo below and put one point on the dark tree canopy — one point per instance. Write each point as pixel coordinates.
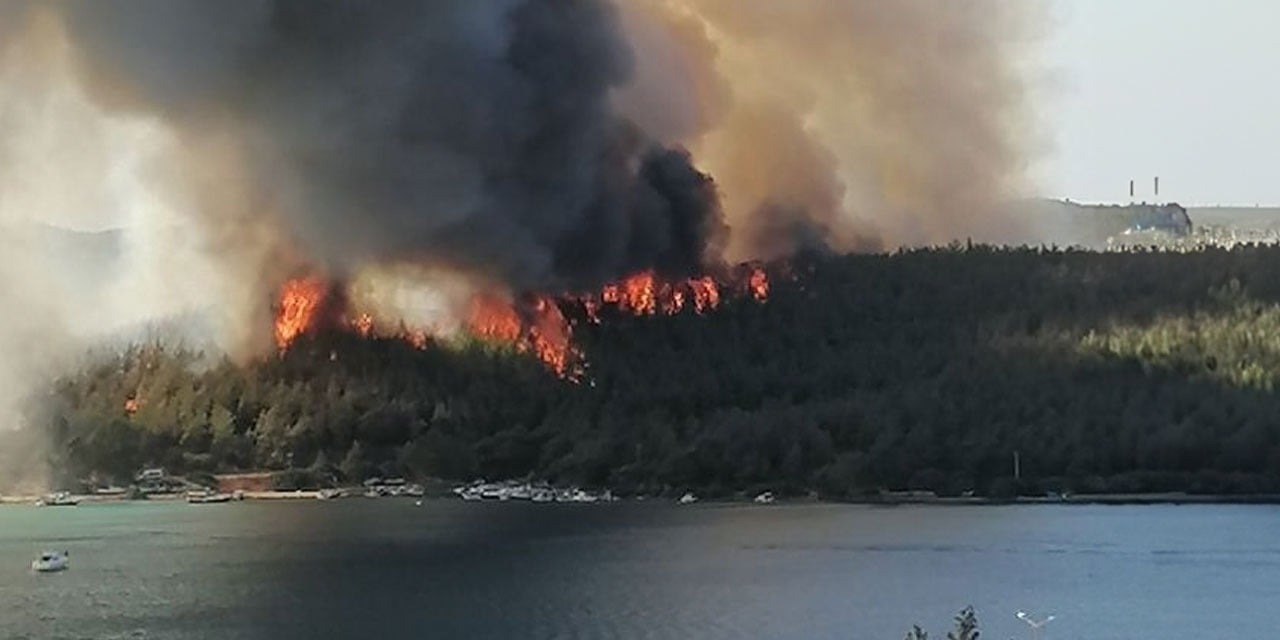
(924, 369)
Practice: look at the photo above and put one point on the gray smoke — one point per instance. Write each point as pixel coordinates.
(475, 134)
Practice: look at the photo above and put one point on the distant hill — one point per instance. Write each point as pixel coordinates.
(1067, 223)
(1260, 218)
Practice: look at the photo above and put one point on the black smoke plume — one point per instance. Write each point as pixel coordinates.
(480, 134)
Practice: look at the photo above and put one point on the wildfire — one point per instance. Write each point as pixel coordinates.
(758, 284)
(635, 292)
(417, 338)
(493, 318)
(363, 324)
(300, 299)
(542, 329)
(706, 295)
(644, 293)
(534, 323)
(550, 338)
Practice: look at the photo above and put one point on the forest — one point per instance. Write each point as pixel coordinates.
(924, 369)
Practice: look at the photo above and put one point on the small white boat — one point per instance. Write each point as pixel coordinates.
(207, 497)
(688, 498)
(470, 493)
(51, 562)
(60, 499)
(578, 495)
(764, 498)
(494, 492)
(329, 494)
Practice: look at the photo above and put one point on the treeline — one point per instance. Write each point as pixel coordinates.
(922, 370)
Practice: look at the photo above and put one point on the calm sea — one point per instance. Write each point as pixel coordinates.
(389, 569)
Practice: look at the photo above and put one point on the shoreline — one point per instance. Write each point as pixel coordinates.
(91, 498)
(1170, 498)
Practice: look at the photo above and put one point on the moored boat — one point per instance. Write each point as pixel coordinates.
(60, 499)
(207, 497)
(52, 562)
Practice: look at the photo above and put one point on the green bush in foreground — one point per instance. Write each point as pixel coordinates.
(966, 628)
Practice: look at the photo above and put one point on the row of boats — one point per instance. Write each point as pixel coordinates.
(376, 489)
(64, 499)
(476, 491)
(503, 491)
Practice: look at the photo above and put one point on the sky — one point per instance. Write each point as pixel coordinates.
(1188, 90)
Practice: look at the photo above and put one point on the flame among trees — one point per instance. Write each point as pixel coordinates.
(533, 323)
(296, 310)
(862, 373)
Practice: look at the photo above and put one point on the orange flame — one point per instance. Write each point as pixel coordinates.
(494, 318)
(299, 301)
(638, 293)
(535, 325)
(758, 284)
(363, 324)
(549, 336)
(706, 295)
(417, 338)
(643, 293)
(546, 332)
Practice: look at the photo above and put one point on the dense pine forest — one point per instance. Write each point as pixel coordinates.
(924, 369)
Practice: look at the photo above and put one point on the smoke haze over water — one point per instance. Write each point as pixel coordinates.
(539, 144)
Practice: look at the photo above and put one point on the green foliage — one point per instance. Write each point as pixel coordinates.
(921, 370)
(966, 628)
(299, 479)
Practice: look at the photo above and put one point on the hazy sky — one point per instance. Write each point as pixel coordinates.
(1185, 89)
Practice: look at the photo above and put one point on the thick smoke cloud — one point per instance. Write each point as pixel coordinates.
(479, 134)
(542, 143)
(863, 125)
(65, 164)
(419, 149)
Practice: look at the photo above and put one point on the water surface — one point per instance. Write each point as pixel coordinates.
(389, 569)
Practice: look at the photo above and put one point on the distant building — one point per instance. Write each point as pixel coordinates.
(1171, 218)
